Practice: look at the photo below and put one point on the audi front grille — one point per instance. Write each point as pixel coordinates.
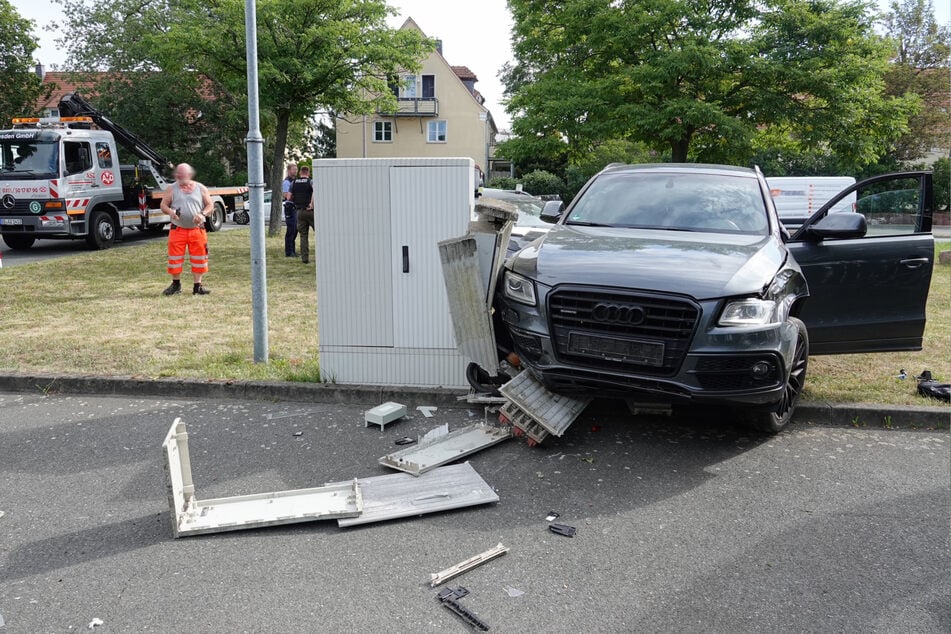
(619, 331)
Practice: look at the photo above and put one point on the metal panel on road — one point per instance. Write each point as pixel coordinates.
(402, 495)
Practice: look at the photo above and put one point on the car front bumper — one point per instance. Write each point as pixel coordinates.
(716, 365)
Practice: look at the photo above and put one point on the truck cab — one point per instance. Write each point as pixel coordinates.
(56, 179)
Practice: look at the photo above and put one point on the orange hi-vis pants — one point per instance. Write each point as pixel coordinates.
(196, 241)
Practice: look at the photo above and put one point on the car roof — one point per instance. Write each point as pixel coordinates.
(490, 192)
(682, 168)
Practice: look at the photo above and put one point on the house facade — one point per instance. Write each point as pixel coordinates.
(439, 114)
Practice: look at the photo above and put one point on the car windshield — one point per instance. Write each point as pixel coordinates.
(28, 159)
(675, 201)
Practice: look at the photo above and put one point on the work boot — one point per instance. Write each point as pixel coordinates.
(200, 290)
(174, 289)
(305, 259)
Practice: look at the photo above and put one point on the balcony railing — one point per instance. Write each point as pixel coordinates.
(414, 107)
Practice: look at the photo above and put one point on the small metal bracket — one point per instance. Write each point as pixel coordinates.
(562, 529)
(454, 571)
(449, 597)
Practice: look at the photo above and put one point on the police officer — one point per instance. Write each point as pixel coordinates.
(290, 213)
(302, 193)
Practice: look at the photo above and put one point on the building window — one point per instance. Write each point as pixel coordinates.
(429, 86)
(382, 131)
(436, 132)
(408, 90)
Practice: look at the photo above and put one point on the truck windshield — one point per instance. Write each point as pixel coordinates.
(28, 159)
(675, 201)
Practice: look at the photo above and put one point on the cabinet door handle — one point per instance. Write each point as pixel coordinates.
(405, 259)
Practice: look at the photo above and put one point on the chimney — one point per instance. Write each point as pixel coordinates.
(439, 46)
(41, 71)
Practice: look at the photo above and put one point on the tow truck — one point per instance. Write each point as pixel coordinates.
(60, 177)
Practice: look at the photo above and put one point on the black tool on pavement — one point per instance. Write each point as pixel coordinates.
(405, 440)
(562, 529)
(449, 597)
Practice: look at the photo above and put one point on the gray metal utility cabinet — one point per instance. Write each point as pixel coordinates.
(382, 309)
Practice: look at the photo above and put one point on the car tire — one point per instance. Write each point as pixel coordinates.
(216, 219)
(774, 420)
(103, 230)
(18, 242)
(241, 217)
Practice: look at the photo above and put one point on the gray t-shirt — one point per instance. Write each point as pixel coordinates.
(190, 205)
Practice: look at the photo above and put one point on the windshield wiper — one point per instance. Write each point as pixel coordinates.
(580, 223)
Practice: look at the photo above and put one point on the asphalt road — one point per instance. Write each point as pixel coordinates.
(682, 525)
(50, 249)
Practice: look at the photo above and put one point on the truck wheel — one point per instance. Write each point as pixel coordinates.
(217, 218)
(103, 230)
(18, 242)
(774, 420)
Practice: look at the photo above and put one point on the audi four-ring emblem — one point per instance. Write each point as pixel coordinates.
(619, 314)
(9, 202)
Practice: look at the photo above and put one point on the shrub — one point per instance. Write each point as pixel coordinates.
(542, 183)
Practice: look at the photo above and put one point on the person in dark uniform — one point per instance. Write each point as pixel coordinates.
(290, 214)
(302, 193)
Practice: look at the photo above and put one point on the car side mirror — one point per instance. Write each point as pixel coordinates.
(552, 211)
(840, 226)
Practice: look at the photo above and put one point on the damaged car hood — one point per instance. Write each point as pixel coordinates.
(700, 265)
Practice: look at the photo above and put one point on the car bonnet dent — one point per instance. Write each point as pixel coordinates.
(699, 265)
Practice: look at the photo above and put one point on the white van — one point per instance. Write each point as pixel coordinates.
(798, 197)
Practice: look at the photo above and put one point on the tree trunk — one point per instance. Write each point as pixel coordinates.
(679, 150)
(277, 171)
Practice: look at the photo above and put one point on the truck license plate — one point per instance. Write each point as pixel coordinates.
(625, 350)
(11, 221)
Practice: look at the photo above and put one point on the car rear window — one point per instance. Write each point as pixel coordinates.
(674, 201)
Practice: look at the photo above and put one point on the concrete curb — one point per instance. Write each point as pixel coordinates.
(201, 388)
(872, 415)
(816, 413)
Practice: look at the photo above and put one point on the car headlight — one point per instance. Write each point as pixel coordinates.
(519, 289)
(748, 312)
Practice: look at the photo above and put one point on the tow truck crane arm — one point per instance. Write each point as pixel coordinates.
(74, 105)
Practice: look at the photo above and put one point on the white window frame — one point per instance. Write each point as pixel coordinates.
(434, 125)
(380, 129)
(409, 87)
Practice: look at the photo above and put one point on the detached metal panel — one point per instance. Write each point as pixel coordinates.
(465, 288)
(401, 495)
(383, 315)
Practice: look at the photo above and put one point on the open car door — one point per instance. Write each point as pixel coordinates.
(868, 291)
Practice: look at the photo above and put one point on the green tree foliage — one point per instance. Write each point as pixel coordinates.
(502, 182)
(541, 183)
(920, 70)
(942, 184)
(697, 79)
(181, 117)
(313, 55)
(20, 86)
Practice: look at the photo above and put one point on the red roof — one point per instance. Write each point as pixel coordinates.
(65, 83)
(464, 73)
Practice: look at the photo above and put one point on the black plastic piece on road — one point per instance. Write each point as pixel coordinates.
(562, 529)
(405, 440)
(449, 598)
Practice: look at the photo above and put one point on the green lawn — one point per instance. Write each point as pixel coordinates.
(104, 313)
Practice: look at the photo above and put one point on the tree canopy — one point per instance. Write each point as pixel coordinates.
(313, 55)
(919, 70)
(20, 86)
(699, 79)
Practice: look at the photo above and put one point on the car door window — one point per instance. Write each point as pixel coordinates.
(891, 207)
(78, 157)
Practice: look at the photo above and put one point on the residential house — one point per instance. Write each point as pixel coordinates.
(439, 114)
(63, 84)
